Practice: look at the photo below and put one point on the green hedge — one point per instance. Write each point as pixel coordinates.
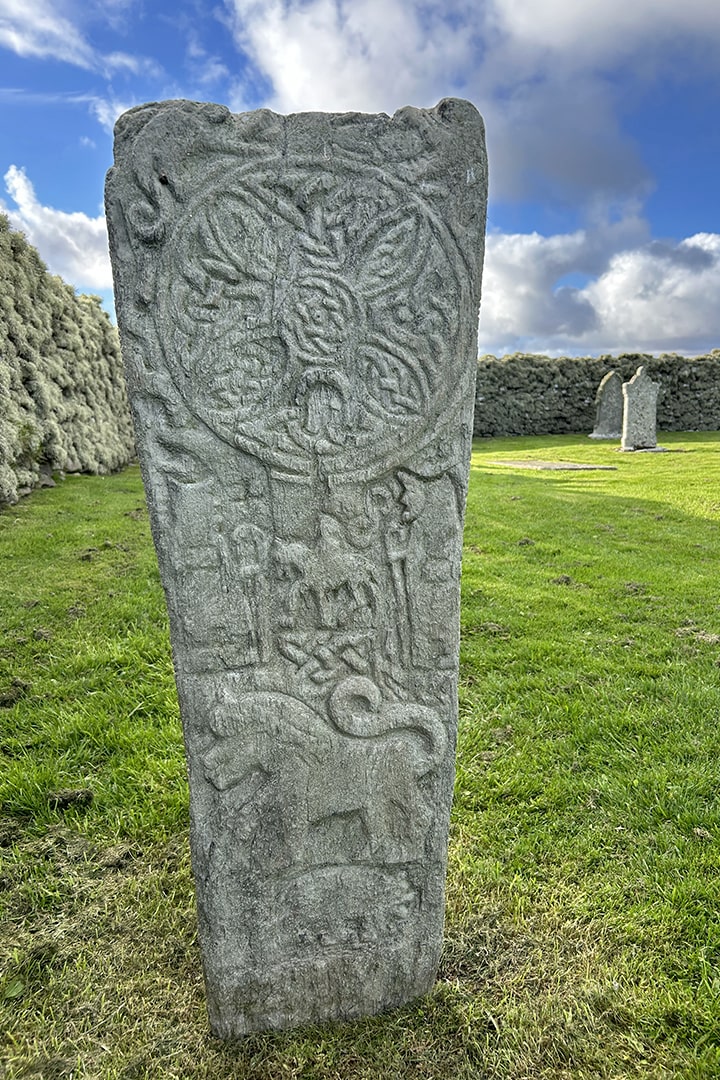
(63, 405)
(539, 395)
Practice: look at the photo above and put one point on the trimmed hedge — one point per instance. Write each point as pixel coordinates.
(63, 404)
(538, 395)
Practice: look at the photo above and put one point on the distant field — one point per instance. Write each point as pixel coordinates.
(583, 921)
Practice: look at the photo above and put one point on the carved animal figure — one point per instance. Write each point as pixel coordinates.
(330, 791)
(383, 752)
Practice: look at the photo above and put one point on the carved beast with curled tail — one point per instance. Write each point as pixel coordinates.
(362, 767)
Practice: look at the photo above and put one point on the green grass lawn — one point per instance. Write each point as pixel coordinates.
(583, 919)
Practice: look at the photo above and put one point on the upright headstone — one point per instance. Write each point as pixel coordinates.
(640, 396)
(298, 299)
(609, 408)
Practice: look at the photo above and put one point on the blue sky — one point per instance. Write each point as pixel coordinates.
(603, 126)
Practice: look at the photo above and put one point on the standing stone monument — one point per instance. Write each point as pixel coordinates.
(297, 300)
(640, 412)
(609, 407)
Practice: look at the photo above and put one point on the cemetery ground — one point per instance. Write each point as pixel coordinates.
(583, 923)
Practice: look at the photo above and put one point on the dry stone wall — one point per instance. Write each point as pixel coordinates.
(525, 394)
(63, 404)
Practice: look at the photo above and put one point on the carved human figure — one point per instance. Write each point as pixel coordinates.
(330, 583)
(193, 554)
(243, 574)
(432, 566)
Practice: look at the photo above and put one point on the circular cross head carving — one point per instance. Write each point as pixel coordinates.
(312, 319)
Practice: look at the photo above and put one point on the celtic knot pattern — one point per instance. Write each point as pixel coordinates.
(301, 327)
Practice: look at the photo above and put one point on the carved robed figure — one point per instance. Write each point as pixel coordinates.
(297, 300)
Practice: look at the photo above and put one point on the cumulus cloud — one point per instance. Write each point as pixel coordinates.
(73, 245)
(547, 144)
(372, 55)
(539, 70)
(495, 44)
(660, 297)
(637, 294)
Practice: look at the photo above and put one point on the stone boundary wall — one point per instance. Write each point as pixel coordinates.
(63, 405)
(538, 395)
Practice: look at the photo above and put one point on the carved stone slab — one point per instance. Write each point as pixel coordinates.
(298, 300)
(640, 412)
(609, 407)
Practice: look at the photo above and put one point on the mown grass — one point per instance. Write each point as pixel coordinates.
(583, 934)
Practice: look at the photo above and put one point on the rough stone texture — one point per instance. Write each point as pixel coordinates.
(639, 415)
(609, 402)
(297, 299)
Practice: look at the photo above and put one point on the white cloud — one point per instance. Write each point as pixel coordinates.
(373, 55)
(116, 13)
(539, 70)
(661, 296)
(594, 31)
(130, 62)
(37, 28)
(640, 294)
(73, 245)
(107, 110)
(206, 69)
(369, 54)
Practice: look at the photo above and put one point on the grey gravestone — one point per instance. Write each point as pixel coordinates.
(640, 412)
(609, 402)
(297, 299)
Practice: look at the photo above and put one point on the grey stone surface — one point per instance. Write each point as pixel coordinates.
(609, 407)
(640, 396)
(297, 299)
